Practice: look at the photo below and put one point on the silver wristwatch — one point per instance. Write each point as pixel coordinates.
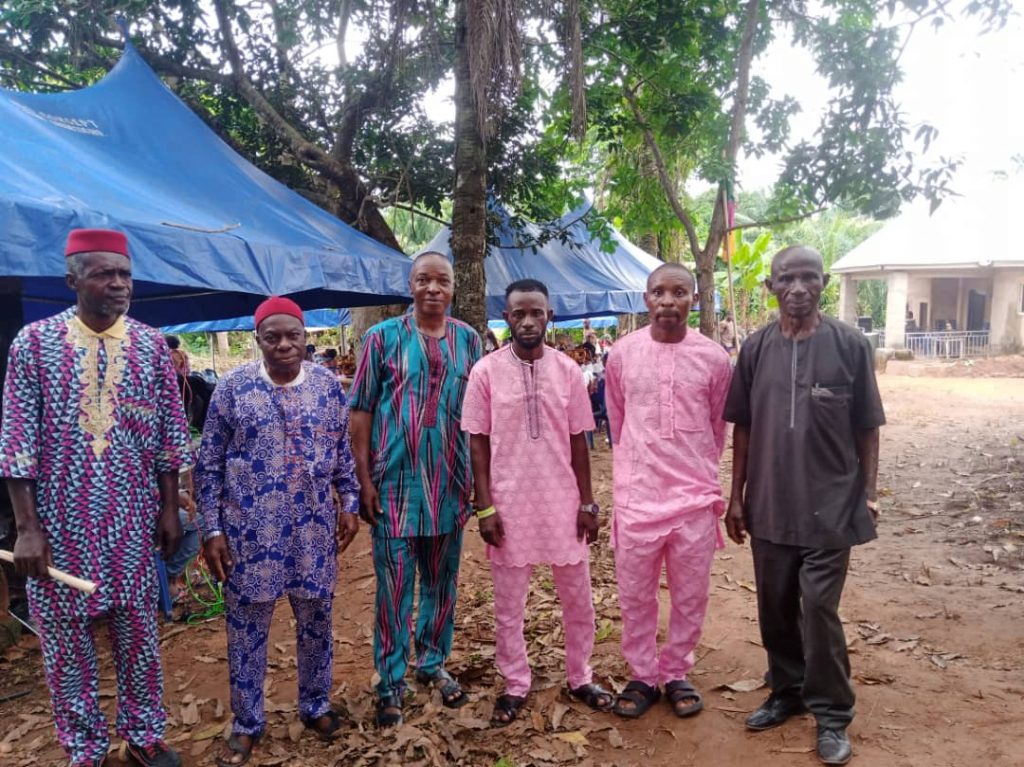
(590, 508)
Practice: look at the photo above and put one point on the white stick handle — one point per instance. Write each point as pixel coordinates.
(58, 575)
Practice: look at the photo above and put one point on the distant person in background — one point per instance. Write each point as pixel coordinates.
(491, 343)
(911, 326)
(179, 358)
(804, 486)
(310, 353)
(562, 342)
(330, 359)
(590, 344)
(727, 333)
(177, 563)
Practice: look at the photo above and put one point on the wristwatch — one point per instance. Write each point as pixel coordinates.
(590, 508)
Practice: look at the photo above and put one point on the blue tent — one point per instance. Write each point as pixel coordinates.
(315, 318)
(596, 323)
(210, 234)
(583, 280)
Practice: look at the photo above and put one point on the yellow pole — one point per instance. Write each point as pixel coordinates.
(728, 268)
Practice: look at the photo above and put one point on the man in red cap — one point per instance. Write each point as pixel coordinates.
(92, 439)
(275, 453)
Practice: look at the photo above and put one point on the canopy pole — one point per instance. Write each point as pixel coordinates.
(213, 352)
(728, 271)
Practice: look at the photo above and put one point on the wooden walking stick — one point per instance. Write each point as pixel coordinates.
(58, 575)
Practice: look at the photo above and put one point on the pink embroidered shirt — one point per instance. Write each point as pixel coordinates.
(665, 403)
(529, 411)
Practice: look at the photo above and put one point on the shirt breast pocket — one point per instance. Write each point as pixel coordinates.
(831, 435)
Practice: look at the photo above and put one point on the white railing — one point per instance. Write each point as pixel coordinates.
(948, 344)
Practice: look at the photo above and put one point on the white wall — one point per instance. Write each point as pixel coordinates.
(1007, 321)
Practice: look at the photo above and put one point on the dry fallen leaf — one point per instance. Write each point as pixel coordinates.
(615, 738)
(208, 732)
(295, 731)
(538, 721)
(558, 712)
(190, 714)
(744, 685)
(574, 738)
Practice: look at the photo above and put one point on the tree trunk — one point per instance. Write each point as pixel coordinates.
(469, 202)
(649, 243)
(706, 288)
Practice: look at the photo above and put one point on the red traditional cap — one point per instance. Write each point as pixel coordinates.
(96, 241)
(278, 305)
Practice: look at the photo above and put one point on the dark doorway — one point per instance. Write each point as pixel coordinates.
(975, 310)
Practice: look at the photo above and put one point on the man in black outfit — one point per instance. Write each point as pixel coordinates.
(805, 464)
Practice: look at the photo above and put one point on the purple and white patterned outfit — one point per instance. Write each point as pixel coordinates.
(93, 418)
(271, 458)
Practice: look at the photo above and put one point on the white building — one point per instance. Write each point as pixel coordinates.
(958, 272)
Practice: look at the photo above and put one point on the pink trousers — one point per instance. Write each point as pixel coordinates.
(687, 552)
(511, 586)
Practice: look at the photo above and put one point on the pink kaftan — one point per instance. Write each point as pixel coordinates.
(529, 411)
(664, 404)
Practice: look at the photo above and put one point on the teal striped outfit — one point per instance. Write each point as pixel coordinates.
(419, 462)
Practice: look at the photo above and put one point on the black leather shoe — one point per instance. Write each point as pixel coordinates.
(833, 746)
(774, 712)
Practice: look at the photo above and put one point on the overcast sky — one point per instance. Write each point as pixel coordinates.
(970, 87)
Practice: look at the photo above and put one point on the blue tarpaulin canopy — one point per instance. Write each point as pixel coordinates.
(596, 323)
(314, 319)
(210, 235)
(582, 279)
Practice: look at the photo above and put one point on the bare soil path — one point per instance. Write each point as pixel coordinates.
(933, 614)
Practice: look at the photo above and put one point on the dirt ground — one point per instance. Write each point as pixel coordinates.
(932, 612)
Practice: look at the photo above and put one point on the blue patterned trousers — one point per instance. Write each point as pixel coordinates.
(69, 661)
(396, 561)
(248, 629)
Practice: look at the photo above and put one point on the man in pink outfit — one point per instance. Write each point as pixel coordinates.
(665, 390)
(527, 412)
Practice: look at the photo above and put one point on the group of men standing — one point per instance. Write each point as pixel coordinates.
(93, 437)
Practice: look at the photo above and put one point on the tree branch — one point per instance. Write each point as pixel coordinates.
(663, 175)
(739, 113)
(12, 53)
(416, 211)
(778, 221)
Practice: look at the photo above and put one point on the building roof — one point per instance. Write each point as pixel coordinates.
(965, 232)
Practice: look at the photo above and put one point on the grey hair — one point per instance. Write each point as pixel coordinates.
(75, 265)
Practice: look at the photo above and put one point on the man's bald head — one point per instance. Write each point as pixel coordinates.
(797, 281)
(430, 258)
(671, 268)
(432, 284)
(803, 254)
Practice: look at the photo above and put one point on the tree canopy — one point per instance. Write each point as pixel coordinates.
(630, 99)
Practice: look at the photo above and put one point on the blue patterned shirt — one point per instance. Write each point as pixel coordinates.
(270, 457)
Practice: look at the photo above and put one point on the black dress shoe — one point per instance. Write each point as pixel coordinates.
(833, 746)
(774, 712)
